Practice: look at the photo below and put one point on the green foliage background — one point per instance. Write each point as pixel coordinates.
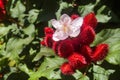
(23, 58)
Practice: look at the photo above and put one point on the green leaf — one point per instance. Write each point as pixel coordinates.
(4, 30)
(15, 45)
(63, 5)
(100, 73)
(108, 36)
(85, 9)
(103, 12)
(33, 14)
(24, 68)
(18, 10)
(112, 38)
(30, 30)
(80, 76)
(49, 69)
(45, 51)
(18, 76)
(114, 54)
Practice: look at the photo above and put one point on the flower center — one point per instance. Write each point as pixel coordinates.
(65, 29)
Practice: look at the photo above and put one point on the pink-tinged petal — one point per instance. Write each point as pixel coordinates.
(56, 24)
(74, 16)
(75, 33)
(75, 26)
(65, 48)
(67, 69)
(65, 19)
(77, 61)
(59, 35)
(77, 23)
(100, 52)
(90, 20)
(87, 35)
(48, 30)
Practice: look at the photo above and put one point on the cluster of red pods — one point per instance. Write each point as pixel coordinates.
(77, 49)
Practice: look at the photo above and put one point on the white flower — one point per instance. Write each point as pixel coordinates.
(66, 27)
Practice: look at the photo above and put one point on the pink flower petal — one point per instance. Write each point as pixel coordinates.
(56, 24)
(75, 26)
(77, 23)
(65, 19)
(75, 33)
(59, 35)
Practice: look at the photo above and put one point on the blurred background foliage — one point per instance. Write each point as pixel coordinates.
(23, 58)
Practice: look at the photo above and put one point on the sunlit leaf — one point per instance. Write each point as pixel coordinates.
(18, 10)
(15, 45)
(103, 13)
(100, 73)
(49, 69)
(63, 5)
(33, 14)
(45, 51)
(4, 30)
(80, 76)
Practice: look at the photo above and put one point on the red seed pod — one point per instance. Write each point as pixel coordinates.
(100, 52)
(90, 20)
(55, 46)
(77, 61)
(2, 9)
(86, 51)
(42, 43)
(87, 35)
(48, 30)
(65, 48)
(66, 69)
(76, 43)
(74, 16)
(48, 41)
(2, 4)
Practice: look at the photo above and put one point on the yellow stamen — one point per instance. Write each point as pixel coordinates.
(65, 29)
